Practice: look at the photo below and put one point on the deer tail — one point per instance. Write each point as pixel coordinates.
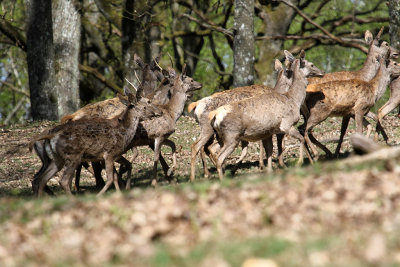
(67, 118)
(192, 106)
(212, 115)
(43, 137)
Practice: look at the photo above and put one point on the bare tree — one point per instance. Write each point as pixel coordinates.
(40, 58)
(243, 43)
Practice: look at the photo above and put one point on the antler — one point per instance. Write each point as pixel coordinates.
(131, 84)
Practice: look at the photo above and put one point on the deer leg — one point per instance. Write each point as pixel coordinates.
(66, 179)
(109, 162)
(225, 151)
(345, 123)
(383, 111)
(281, 145)
(196, 147)
(172, 145)
(157, 151)
(204, 162)
(296, 134)
(359, 116)
(261, 165)
(78, 177)
(40, 151)
(126, 164)
(268, 147)
(245, 146)
(40, 180)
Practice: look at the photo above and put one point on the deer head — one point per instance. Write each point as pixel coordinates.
(377, 46)
(308, 68)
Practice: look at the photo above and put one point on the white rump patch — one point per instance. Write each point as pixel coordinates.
(201, 106)
(221, 113)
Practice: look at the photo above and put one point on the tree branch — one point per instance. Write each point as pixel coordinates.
(209, 26)
(331, 36)
(115, 88)
(13, 34)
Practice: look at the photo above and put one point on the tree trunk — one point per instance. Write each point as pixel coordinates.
(191, 45)
(40, 59)
(276, 22)
(67, 29)
(129, 33)
(394, 23)
(243, 43)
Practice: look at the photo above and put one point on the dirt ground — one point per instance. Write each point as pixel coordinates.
(320, 215)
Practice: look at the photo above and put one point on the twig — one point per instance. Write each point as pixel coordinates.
(14, 111)
(331, 36)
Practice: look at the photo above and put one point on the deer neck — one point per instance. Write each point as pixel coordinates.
(176, 104)
(128, 120)
(380, 82)
(283, 83)
(297, 91)
(370, 67)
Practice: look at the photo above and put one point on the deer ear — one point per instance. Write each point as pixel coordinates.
(278, 65)
(289, 56)
(368, 37)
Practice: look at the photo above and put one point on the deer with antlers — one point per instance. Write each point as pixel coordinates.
(95, 139)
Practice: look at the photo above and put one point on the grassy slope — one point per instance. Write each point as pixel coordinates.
(322, 215)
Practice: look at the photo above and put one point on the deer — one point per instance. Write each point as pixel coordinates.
(94, 139)
(350, 98)
(203, 107)
(377, 48)
(258, 118)
(155, 131)
(392, 103)
(151, 73)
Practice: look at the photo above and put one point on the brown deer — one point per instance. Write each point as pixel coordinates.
(349, 98)
(94, 139)
(110, 107)
(154, 132)
(377, 48)
(258, 118)
(203, 107)
(392, 103)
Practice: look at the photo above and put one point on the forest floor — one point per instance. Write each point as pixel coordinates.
(326, 214)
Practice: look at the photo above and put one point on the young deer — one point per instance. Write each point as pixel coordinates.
(392, 103)
(203, 107)
(260, 117)
(154, 132)
(377, 48)
(350, 98)
(110, 107)
(94, 139)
